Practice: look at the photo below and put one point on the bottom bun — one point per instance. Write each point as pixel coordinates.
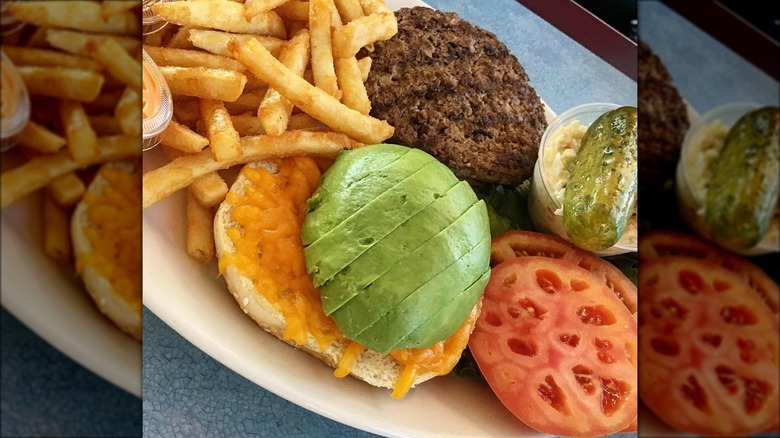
(123, 309)
(371, 366)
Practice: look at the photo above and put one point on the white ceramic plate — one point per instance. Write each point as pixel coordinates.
(194, 302)
(51, 301)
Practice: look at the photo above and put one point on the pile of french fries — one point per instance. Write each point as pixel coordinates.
(256, 80)
(80, 62)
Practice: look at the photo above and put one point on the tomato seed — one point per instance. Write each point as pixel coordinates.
(579, 285)
(665, 347)
(674, 308)
(605, 357)
(694, 393)
(727, 378)
(756, 393)
(721, 285)
(570, 340)
(712, 339)
(552, 395)
(532, 307)
(613, 395)
(519, 346)
(690, 281)
(602, 344)
(548, 281)
(740, 315)
(596, 315)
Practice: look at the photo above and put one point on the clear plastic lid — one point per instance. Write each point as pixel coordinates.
(14, 103)
(152, 23)
(157, 103)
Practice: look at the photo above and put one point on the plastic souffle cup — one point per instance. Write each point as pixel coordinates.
(545, 208)
(701, 146)
(157, 103)
(14, 103)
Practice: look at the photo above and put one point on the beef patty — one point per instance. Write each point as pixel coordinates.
(663, 120)
(456, 92)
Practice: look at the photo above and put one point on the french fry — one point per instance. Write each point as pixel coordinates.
(83, 15)
(254, 7)
(349, 10)
(354, 91)
(320, 20)
(67, 189)
(75, 42)
(182, 138)
(252, 83)
(206, 83)
(200, 233)
(162, 182)
(311, 100)
(209, 190)
(181, 39)
(111, 7)
(56, 231)
(365, 67)
(105, 124)
(222, 15)
(39, 138)
(49, 58)
(63, 83)
(191, 58)
(304, 121)
(246, 102)
(186, 112)
(374, 7)
(116, 61)
(294, 10)
(215, 41)
(36, 40)
(129, 118)
(106, 101)
(36, 173)
(275, 110)
(82, 140)
(247, 124)
(350, 38)
(223, 139)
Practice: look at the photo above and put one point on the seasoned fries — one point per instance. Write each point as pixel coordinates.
(162, 182)
(40, 138)
(82, 140)
(116, 61)
(223, 138)
(62, 83)
(222, 15)
(76, 42)
(310, 99)
(86, 16)
(298, 96)
(206, 83)
(200, 235)
(56, 231)
(49, 58)
(67, 189)
(275, 110)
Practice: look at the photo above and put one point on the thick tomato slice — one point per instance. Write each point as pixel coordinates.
(709, 348)
(660, 243)
(515, 244)
(557, 347)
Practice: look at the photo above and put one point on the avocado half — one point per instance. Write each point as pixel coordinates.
(399, 247)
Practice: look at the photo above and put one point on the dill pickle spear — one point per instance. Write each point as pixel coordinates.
(602, 189)
(742, 194)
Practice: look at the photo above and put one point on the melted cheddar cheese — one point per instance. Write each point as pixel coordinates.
(268, 250)
(115, 233)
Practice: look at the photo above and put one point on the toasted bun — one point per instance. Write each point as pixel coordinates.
(125, 314)
(372, 367)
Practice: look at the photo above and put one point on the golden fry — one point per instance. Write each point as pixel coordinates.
(320, 20)
(76, 42)
(216, 41)
(62, 83)
(223, 138)
(222, 15)
(254, 7)
(246, 102)
(105, 102)
(349, 9)
(374, 7)
(67, 189)
(127, 114)
(275, 110)
(162, 182)
(116, 61)
(350, 38)
(86, 16)
(209, 190)
(105, 124)
(19, 182)
(82, 140)
(311, 100)
(182, 138)
(181, 39)
(354, 91)
(191, 58)
(56, 231)
(39, 138)
(111, 7)
(200, 231)
(206, 83)
(294, 10)
(49, 58)
(365, 67)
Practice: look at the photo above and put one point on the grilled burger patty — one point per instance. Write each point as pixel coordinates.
(663, 120)
(455, 91)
